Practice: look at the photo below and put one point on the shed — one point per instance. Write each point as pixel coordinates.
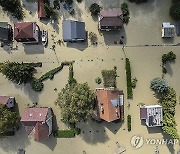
(168, 30)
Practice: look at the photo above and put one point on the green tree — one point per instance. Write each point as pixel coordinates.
(76, 102)
(159, 85)
(50, 12)
(8, 119)
(94, 9)
(175, 11)
(14, 7)
(18, 73)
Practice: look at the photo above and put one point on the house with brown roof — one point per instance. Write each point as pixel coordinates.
(41, 11)
(38, 122)
(26, 32)
(111, 19)
(152, 114)
(8, 101)
(110, 104)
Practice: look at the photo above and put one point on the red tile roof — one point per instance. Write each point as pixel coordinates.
(4, 99)
(35, 114)
(106, 110)
(41, 131)
(41, 11)
(34, 120)
(23, 30)
(113, 18)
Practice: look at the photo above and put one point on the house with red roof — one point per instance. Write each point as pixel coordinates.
(38, 122)
(8, 101)
(26, 32)
(41, 11)
(110, 104)
(111, 19)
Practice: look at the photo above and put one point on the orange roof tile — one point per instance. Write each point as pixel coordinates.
(108, 105)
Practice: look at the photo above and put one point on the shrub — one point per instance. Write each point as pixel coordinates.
(94, 9)
(79, 1)
(37, 85)
(164, 70)
(77, 130)
(175, 11)
(124, 8)
(159, 85)
(170, 56)
(134, 81)
(93, 37)
(64, 134)
(98, 80)
(129, 122)
(138, 1)
(128, 79)
(125, 11)
(126, 19)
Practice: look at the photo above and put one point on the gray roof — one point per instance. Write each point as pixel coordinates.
(73, 30)
(4, 31)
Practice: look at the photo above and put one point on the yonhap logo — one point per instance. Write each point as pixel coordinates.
(137, 141)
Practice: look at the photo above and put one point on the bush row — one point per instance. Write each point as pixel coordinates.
(125, 11)
(129, 122)
(38, 85)
(128, 79)
(168, 102)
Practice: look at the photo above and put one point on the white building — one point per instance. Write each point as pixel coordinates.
(152, 114)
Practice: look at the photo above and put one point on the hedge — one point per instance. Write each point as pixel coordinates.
(129, 122)
(128, 79)
(64, 133)
(52, 72)
(38, 85)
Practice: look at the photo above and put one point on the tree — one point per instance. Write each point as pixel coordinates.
(18, 73)
(175, 11)
(159, 85)
(138, 1)
(14, 7)
(50, 12)
(76, 102)
(169, 57)
(8, 119)
(94, 9)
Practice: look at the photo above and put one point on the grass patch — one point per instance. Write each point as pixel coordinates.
(128, 79)
(109, 78)
(64, 134)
